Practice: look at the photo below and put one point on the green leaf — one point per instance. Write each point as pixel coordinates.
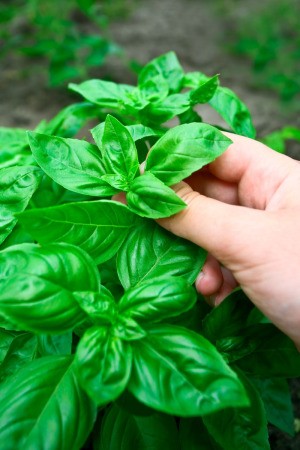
(185, 149)
(43, 393)
(227, 104)
(139, 131)
(75, 165)
(103, 93)
(69, 120)
(55, 344)
(150, 197)
(103, 364)
(98, 227)
(121, 430)
(165, 110)
(194, 435)
(166, 66)
(118, 150)
(99, 306)
(14, 149)
(205, 91)
(150, 251)
(154, 88)
(37, 283)
(276, 396)
(177, 371)
(240, 428)
(275, 356)
(17, 185)
(22, 349)
(157, 299)
(229, 318)
(233, 111)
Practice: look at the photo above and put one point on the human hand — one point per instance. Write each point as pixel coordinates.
(244, 208)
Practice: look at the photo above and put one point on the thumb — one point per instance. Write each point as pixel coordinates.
(224, 230)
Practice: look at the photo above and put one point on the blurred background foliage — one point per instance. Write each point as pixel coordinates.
(69, 36)
(268, 34)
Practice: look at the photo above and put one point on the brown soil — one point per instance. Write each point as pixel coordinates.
(193, 30)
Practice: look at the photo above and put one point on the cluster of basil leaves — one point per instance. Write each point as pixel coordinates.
(105, 295)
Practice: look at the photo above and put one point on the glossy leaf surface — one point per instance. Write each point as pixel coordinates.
(233, 111)
(118, 150)
(103, 364)
(74, 164)
(98, 227)
(240, 428)
(168, 67)
(150, 252)
(21, 350)
(122, 430)
(150, 197)
(17, 185)
(103, 93)
(179, 372)
(43, 393)
(157, 299)
(185, 149)
(37, 284)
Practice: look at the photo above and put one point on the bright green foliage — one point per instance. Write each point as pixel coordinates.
(97, 303)
(55, 35)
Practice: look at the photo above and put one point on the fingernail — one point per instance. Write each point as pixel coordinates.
(142, 167)
(198, 280)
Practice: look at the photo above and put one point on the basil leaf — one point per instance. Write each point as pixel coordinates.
(205, 91)
(37, 284)
(157, 299)
(276, 396)
(192, 378)
(100, 306)
(98, 227)
(166, 66)
(227, 104)
(121, 430)
(150, 251)
(149, 197)
(128, 329)
(103, 93)
(17, 185)
(49, 193)
(103, 363)
(45, 392)
(236, 428)
(118, 149)
(229, 318)
(22, 349)
(69, 120)
(233, 111)
(154, 88)
(14, 149)
(165, 110)
(55, 344)
(194, 435)
(275, 356)
(139, 131)
(185, 149)
(75, 165)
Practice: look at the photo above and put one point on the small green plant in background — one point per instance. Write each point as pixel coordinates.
(103, 337)
(57, 34)
(268, 34)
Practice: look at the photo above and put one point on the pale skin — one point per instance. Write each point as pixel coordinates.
(244, 208)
